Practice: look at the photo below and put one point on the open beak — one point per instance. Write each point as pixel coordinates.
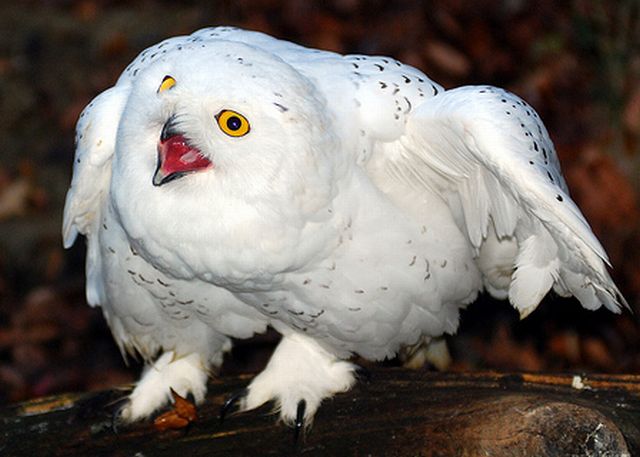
(176, 157)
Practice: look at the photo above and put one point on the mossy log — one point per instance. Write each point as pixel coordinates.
(396, 413)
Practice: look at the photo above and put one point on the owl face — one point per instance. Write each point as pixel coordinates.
(224, 129)
(226, 109)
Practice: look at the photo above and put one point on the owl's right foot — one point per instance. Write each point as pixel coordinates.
(185, 375)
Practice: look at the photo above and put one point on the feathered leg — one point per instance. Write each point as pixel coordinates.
(185, 375)
(300, 372)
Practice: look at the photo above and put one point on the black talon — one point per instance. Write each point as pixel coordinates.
(231, 402)
(116, 415)
(302, 406)
(115, 418)
(363, 375)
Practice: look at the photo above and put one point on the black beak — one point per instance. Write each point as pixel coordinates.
(169, 129)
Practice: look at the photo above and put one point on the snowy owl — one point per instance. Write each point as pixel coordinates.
(229, 182)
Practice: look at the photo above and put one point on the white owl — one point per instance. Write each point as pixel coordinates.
(231, 181)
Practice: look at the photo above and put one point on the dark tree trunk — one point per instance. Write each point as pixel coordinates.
(396, 413)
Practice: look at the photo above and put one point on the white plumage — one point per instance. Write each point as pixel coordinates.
(230, 181)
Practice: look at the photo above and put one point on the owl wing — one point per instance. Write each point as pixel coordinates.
(95, 144)
(486, 152)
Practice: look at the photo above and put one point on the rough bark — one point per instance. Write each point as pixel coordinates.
(396, 413)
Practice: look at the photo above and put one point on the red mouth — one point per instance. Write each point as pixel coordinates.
(176, 157)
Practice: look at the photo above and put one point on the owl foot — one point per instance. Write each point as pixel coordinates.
(299, 375)
(186, 375)
(427, 351)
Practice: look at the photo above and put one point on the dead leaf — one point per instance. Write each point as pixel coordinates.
(447, 58)
(14, 199)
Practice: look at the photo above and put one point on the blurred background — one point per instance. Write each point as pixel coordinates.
(576, 62)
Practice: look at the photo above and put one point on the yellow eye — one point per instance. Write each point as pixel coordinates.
(232, 123)
(167, 83)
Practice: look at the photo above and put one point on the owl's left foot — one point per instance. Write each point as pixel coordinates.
(427, 351)
(299, 375)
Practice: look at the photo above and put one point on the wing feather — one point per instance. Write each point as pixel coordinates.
(486, 152)
(95, 143)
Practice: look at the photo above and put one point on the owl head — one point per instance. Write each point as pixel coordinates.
(222, 109)
(227, 129)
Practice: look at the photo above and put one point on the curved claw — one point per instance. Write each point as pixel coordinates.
(299, 424)
(116, 415)
(231, 402)
(115, 420)
(363, 375)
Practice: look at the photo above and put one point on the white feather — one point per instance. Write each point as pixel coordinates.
(502, 136)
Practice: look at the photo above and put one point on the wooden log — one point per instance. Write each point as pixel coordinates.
(396, 413)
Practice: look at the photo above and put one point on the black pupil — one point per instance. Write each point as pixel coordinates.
(234, 123)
